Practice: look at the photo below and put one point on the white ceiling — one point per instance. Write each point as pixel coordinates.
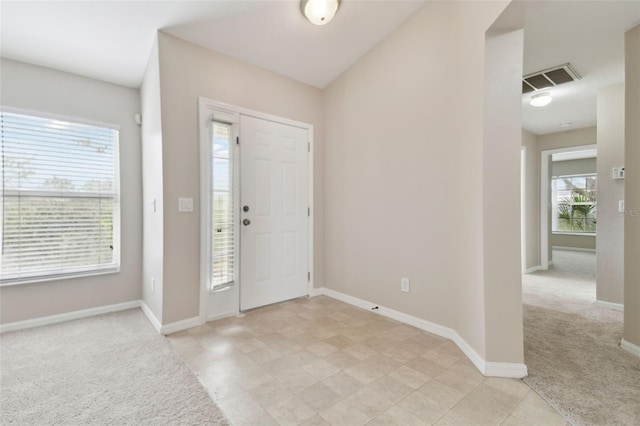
(111, 40)
(589, 35)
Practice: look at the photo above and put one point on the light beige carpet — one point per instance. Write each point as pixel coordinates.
(572, 348)
(110, 369)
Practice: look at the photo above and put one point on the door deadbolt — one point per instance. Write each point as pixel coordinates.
(245, 209)
(246, 222)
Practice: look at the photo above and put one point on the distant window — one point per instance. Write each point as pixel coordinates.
(574, 204)
(60, 199)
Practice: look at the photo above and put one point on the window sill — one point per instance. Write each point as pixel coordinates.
(579, 234)
(46, 278)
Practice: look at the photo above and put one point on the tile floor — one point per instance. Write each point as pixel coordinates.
(319, 361)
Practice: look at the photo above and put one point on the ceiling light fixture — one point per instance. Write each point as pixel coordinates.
(319, 12)
(541, 99)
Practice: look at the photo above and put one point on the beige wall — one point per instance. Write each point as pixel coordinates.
(404, 197)
(152, 200)
(501, 213)
(632, 188)
(576, 137)
(188, 71)
(587, 242)
(49, 91)
(532, 199)
(610, 229)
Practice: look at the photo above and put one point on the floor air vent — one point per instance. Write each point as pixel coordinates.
(549, 78)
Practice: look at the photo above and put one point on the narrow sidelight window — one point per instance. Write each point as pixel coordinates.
(222, 208)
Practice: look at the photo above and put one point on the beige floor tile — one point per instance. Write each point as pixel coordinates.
(220, 387)
(452, 418)
(344, 414)
(514, 387)
(249, 345)
(315, 421)
(239, 408)
(251, 378)
(390, 388)
(514, 421)
(536, 410)
(360, 351)
(441, 394)
(321, 369)
(341, 360)
(343, 384)
(296, 379)
(263, 355)
(353, 331)
(364, 372)
(319, 396)
(261, 419)
(182, 340)
(322, 349)
(369, 401)
(423, 407)
(425, 366)
(396, 416)
(409, 377)
(398, 353)
(291, 412)
(270, 393)
(486, 405)
(339, 341)
(458, 381)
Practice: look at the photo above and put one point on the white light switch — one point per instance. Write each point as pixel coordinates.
(185, 205)
(621, 206)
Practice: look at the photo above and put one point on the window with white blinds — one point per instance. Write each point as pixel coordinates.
(222, 208)
(60, 199)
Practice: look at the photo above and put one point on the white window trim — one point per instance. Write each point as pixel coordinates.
(91, 270)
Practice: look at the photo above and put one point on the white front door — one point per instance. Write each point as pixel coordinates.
(274, 260)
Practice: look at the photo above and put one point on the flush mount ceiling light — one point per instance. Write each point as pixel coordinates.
(319, 12)
(540, 100)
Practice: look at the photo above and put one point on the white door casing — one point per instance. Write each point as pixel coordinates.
(274, 174)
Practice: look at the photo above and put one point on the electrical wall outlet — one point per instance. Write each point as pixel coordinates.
(404, 285)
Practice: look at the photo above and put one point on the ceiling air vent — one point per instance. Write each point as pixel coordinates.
(549, 78)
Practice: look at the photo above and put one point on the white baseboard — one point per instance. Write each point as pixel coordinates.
(174, 327)
(155, 322)
(85, 313)
(533, 269)
(609, 305)
(630, 347)
(54, 319)
(590, 250)
(316, 292)
(222, 316)
(487, 368)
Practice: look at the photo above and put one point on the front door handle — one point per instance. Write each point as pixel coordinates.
(246, 222)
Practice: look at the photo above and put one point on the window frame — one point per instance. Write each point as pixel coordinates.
(555, 203)
(11, 279)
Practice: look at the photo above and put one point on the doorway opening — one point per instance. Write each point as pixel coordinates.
(256, 191)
